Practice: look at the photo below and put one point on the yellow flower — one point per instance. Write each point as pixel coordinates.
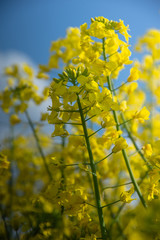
(134, 75)
(11, 70)
(126, 196)
(59, 131)
(152, 192)
(98, 29)
(142, 115)
(4, 163)
(147, 150)
(123, 106)
(28, 70)
(119, 145)
(14, 119)
(42, 75)
(53, 61)
(108, 121)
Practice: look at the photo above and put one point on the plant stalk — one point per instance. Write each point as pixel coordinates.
(93, 169)
(38, 144)
(137, 189)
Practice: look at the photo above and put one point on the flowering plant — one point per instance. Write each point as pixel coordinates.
(106, 138)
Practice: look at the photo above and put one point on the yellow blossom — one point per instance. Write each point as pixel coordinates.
(152, 192)
(126, 196)
(59, 131)
(98, 29)
(14, 119)
(42, 75)
(134, 75)
(123, 106)
(4, 163)
(142, 115)
(120, 144)
(147, 149)
(28, 70)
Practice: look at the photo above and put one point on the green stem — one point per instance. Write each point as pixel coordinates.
(111, 203)
(119, 86)
(104, 158)
(134, 143)
(90, 117)
(76, 164)
(116, 186)
(137, 189)
(132, 178)
(17, 235)
(38, 144)
(125, 121)
(96, 132)
(6, 228)
(93, 168)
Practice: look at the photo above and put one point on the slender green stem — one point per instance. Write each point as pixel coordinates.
(6, 228)
(10, 182)
(76, 164)
(63, 110)
(95, 132)
(119, 86)
(132, 178)
(111, 203)
(126, 121)
(90, 117)
(104, 158)
(93, 168)
(134, 143)
(116, 186)
(17, 235)
(69, 123)
(122, 206)
(90, 204)
(103, 47)
(137, 189)
(38, 144)
(63, 179)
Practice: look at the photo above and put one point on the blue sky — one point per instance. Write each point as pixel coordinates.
(29, 26)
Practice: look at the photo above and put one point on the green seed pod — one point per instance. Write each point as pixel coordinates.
(65, 74)
(74, 74)
(85, 72)
(61, 76)
(78, 71)
(56, 80)
(92, 20)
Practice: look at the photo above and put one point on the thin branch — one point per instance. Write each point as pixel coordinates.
(68, 123)
(111, 203)
(134, 142)
(76, 164)
(64, 110)
(125, 122)
(38, 144)
(119, 185)
(104, 158)
(6, 228)
(118, 128)
(17, 235)
(90, 204)
(90, 118)
(119, 86)
(95, 132)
